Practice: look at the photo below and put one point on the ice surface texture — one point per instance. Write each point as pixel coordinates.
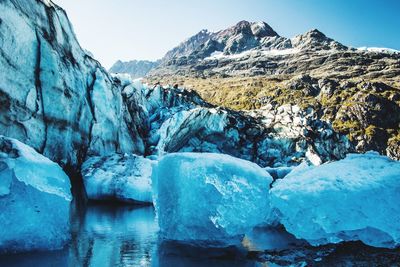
(34, 200)
(119, 177)
(352, 199)
(55, 97)
(209, 199)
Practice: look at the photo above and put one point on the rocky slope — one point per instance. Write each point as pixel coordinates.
(59, 100)
(135, 68)
(179, 121)
(254, 48)
(249, 65)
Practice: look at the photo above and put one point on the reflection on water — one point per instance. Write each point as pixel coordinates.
(114, 236)
(121, 236)
(126, 236)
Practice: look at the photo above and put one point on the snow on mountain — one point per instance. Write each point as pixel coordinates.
(135, 68)
(254, 49)
(378, 50)
(253, 53)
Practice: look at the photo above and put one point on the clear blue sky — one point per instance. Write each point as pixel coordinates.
(147, 29)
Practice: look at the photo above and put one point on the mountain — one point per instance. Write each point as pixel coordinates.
(254, 49)
(136, 68)
(59, 100)
(249, 65)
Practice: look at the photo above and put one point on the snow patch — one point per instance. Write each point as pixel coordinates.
(268, 53)
(378, 50)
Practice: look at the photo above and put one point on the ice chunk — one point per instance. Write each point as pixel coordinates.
(209, 199)
(34, 200)
(118, 177)
(352, 199)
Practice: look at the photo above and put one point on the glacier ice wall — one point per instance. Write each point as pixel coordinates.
(54, 97)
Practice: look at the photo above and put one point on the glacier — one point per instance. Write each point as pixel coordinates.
(55, 97)
(34, 200)
(352, 199)
(118, 177)
(209, 199)
(100, 120)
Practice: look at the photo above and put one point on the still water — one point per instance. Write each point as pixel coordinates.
(118, 236)
(128, 236)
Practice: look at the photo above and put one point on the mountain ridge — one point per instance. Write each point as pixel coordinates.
(136, 68)
(195, 56)
(310, 70)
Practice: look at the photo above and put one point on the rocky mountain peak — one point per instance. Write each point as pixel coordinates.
(246, 28)
(136, 68)
(262, 29)
(189, 45)
(316, 40)
(315, 33)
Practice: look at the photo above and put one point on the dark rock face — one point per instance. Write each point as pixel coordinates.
(135, 68)
(393, 149)
(371, 109)
(306, 83)
(375, 115)
(190, 45)
(328, 86)
(180, 121)
(316, 40)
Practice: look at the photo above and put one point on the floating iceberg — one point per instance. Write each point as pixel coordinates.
(352, 199)
(125, 178)
(34, 200)
(209, 199)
